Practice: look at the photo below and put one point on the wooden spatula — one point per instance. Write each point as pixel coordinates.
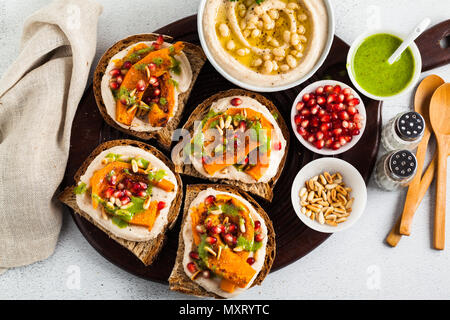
(419, 184)
(440, 121)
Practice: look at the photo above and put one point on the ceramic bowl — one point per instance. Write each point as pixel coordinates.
(352, 179)
(324, 151)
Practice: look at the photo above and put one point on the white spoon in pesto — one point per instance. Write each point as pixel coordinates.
(421, 27)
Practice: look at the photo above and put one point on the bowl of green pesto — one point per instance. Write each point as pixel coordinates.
(372, 74)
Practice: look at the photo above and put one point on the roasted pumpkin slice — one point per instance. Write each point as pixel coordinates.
(146, 218)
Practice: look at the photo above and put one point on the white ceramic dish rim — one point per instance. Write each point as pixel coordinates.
(326, 50)
(414, 50)
(349, 173)
(328, 152)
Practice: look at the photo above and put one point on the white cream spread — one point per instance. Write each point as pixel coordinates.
(275, 155)
(184, 80)
(131, 232)
(213, 284)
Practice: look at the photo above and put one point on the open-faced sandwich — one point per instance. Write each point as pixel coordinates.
(226, 243)
(237, 137)
(129, 190)
(142, 83)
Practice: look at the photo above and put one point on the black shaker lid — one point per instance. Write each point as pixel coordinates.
(403, 164)
(410, 125)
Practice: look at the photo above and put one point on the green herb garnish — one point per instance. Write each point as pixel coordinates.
(80, 188)
(162, 101)
(156, 176)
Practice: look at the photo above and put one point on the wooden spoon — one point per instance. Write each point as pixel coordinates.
(419, 184)
(440, 121)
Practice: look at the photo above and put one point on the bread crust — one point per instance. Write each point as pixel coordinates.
(146, 251)
(197, 59)
(179, 280)
(262, 189)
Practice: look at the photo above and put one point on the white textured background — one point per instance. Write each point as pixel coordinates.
(355, 264)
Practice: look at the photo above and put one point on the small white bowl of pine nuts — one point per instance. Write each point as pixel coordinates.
(329, 195)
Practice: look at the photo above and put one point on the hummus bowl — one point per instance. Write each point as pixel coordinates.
(266, 47)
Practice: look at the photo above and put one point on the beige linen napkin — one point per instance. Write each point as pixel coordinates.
(39, 95)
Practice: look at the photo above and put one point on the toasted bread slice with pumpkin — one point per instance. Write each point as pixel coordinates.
(130, 191)
(142, 83)
(226, 243)
(236, 137)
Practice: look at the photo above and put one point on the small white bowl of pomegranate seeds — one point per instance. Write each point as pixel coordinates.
(328, 117)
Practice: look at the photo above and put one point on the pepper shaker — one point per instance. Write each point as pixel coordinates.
(403, 132)
(395, 170)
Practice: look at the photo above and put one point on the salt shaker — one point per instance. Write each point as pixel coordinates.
(395, 170)
(404, 131)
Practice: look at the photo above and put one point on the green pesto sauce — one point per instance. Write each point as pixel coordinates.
(372, 70)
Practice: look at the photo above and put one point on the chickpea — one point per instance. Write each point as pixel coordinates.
(275, 65)
(256, 33)
(267, 67)
(251, 26)
(301, 29)
(243, 24)
(291, 61)
(284, 67)
(258, 10)
(302, 38)
(241, 6)
(253, 19)
(278, 58)
(267, 56)
(299, 55)
(299, 47)
(241, 52)
(257, 62)
(224, 30)
(295, 39)
(292, 6)
(269, 26)
(302, 17)
(286, 36)
(259, 24)
(266, 18)
(231, 45)
(279, 52)
(246, 33)
(274, 14)
(242, 13)
(274, 42)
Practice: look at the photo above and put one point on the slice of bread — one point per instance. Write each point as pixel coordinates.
(179, 280)
(146, 251)
(262, 189)
(196, 58)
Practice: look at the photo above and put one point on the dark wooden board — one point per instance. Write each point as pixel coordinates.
(294, 239)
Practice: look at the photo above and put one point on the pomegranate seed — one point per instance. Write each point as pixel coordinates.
(152, 80)
(143, 186)
(337, 89)
(211, 240)
(355, 132)
(112, 180)
(342, 141)
(119, 79)
(353, 102)
(194, 255)
(156, 84)
(346, 91)
(128, 193)
(301, 131)
(229, 238)
(152, 66)
(124, 100)
(319, 135)
(348, 138)
(257, 225)
(259, 237)
(341, 97)
(331, 98)
(343, 115)
(127, 65)
(311, 102)
(352, 110)
(336, 145)
(200, 229)
(357, 118)
(300, 105)
(322, 112)
(321, 100)
(328, 88)
(242, 125)
(315, 122)
(359, 125)
(156, 92)
(192, 268)
(305, 112)
(314, 109)
(277, 146)
(337, 132)
(232, 228)
(114, 72)
(319, 90)
(250, 260)
(236, 102)
(142, 194)
(210, 200)
(329, 142)
(311, 138)
(141, 85)
(118, 194)
(325, 118)
(160, 40)
(306, 97)
(114, 85)
(297, 119)
(345, 124)
(216, 230)
(325, 127)
(206, 274)
(124, 200)
(109, 192)
(319, 144)
(304, 123)
(349, 97)
(161, 205)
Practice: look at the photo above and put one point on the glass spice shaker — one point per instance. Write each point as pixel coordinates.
(395, 170)
(404, 131)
